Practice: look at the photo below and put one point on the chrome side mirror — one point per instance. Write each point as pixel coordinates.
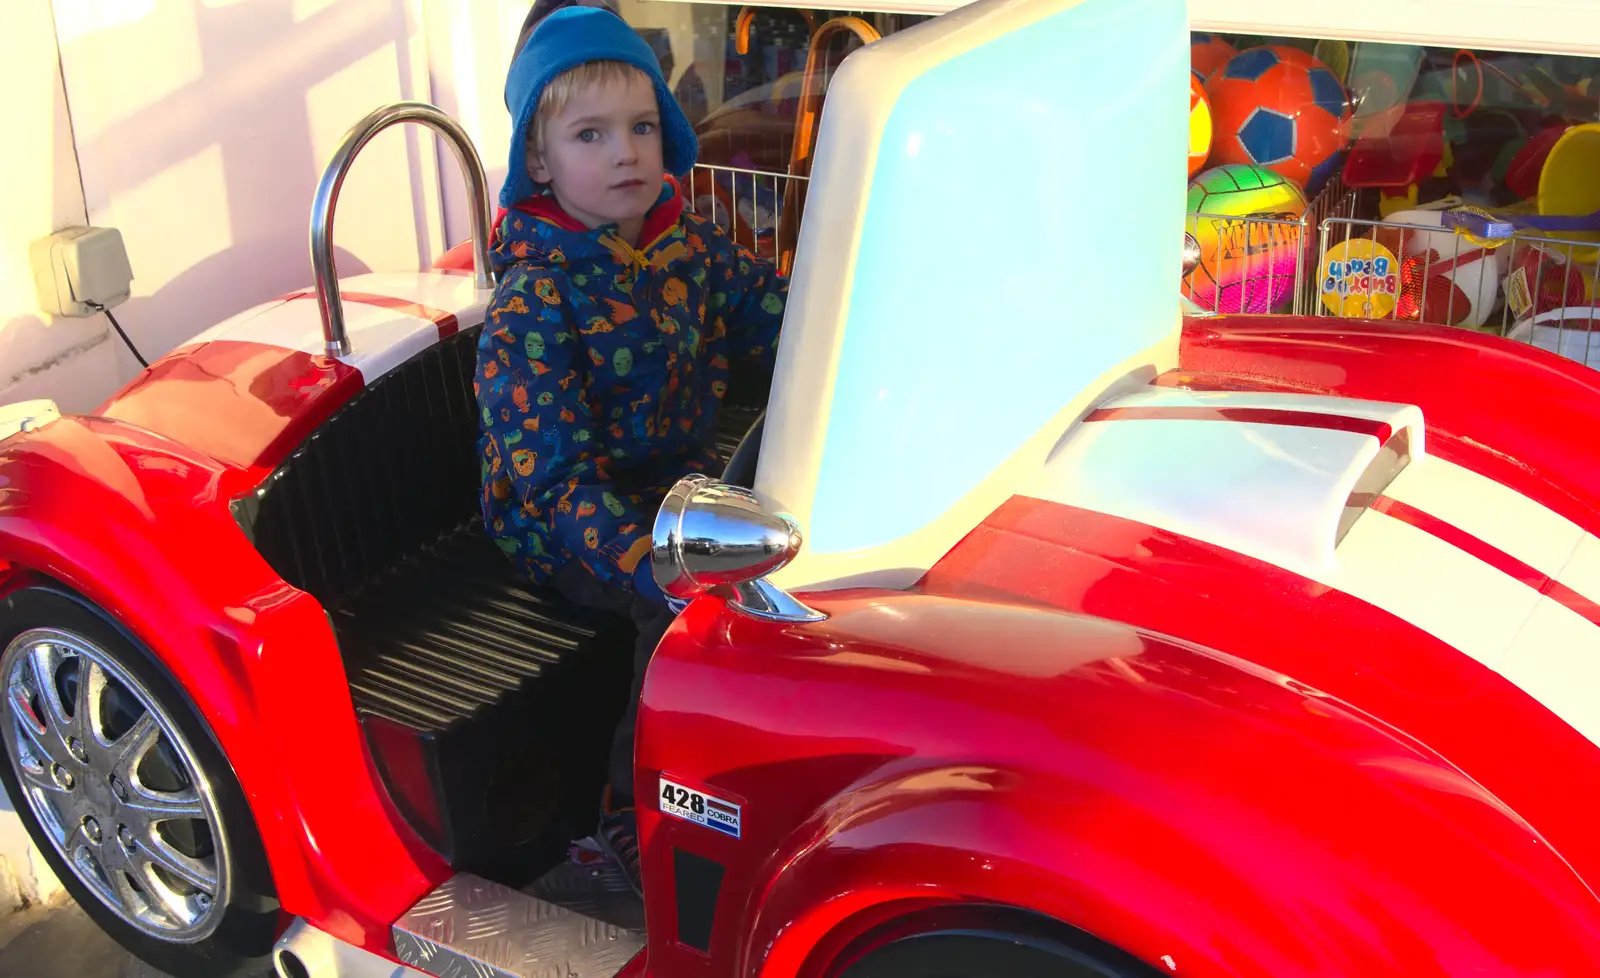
(713, 537)
(1191, 253)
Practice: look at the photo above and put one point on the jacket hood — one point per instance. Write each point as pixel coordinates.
(568, 38)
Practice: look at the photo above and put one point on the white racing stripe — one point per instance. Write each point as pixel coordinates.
(1479, 566)
(381, 338)
(1501, 517)
(1556, 660)
(1420, 578)
(1582, 572)
(1537, 636)
(1396, 416)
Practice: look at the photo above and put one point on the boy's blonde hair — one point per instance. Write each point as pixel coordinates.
(564, 87)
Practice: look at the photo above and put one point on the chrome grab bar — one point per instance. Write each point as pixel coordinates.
(336, 341)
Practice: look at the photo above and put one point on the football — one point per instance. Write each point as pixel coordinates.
(1280, 108)
(1208, 53)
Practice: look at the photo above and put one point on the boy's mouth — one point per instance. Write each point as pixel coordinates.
(627, 185)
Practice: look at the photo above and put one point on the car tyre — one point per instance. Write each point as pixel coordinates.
(123, 788)
(989, 942)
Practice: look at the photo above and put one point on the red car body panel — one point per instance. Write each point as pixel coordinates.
(1330, 641)
(246, 405)
(1356, 799)
(1357, 841)
(140, 525)
(1183, 804)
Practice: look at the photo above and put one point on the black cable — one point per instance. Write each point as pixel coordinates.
(97, 307)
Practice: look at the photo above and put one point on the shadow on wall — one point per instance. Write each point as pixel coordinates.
(72, 375)
(211, 181)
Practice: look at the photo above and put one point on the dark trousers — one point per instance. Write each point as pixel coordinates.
(651, 618)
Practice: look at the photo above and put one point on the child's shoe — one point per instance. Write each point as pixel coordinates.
(619, 836)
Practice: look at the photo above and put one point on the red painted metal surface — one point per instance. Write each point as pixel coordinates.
(1339, 793)
(246, 405)
(457, 259)
(1185, 805)
(137, 520)
(639, 967)
(1125, 571)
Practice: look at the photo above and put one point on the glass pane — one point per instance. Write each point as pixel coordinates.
(1421, 170)
(745, 104)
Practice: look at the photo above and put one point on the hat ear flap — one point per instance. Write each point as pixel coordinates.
(679, 147)
(519, 183)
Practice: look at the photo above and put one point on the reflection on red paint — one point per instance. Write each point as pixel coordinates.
(1246, 415)
(245, 404)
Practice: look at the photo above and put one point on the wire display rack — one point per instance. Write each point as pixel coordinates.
(1527, 287)
(1261, 264)
(749, 204)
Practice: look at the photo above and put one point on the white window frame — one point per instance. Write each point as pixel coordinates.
(1535, 26)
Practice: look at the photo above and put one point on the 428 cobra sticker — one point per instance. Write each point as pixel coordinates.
(693, 805)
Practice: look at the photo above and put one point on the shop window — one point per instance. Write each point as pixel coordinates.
(1329, 177)
(741, 75)
(1369, 179)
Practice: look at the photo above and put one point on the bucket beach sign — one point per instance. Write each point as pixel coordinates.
(1360, 279)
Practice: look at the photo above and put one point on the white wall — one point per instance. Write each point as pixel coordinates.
(202, 127)
(469, 46)
(39, 193)
(69, 360)
(199, 128)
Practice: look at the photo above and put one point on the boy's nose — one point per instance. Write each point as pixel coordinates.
(627, 149)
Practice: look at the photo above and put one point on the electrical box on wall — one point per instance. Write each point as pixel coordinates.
(80, 270)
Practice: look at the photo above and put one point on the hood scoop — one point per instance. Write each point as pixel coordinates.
(1279, 477)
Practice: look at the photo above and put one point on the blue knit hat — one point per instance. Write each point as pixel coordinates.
(570, 37)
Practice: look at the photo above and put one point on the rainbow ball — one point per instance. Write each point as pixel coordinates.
(1245, 222)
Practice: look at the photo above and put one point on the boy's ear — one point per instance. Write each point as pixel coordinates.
(537, 171)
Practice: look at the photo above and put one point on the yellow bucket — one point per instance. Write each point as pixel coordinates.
(1569, 184)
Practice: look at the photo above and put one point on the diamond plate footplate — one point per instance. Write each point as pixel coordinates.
(470, 927)
(599, 890)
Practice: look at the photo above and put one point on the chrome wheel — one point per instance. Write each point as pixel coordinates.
(114, 785)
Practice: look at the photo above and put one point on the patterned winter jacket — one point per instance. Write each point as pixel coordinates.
(600, 371)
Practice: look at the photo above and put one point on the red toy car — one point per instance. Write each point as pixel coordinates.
(1119, 643)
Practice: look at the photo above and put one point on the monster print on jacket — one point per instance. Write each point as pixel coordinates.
(600, 371)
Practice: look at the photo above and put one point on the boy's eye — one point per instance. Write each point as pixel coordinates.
(643, 128)
(589, 135)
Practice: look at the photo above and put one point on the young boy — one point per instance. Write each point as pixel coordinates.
(610, 338)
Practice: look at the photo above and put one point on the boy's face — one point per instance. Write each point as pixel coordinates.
(602, 154)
